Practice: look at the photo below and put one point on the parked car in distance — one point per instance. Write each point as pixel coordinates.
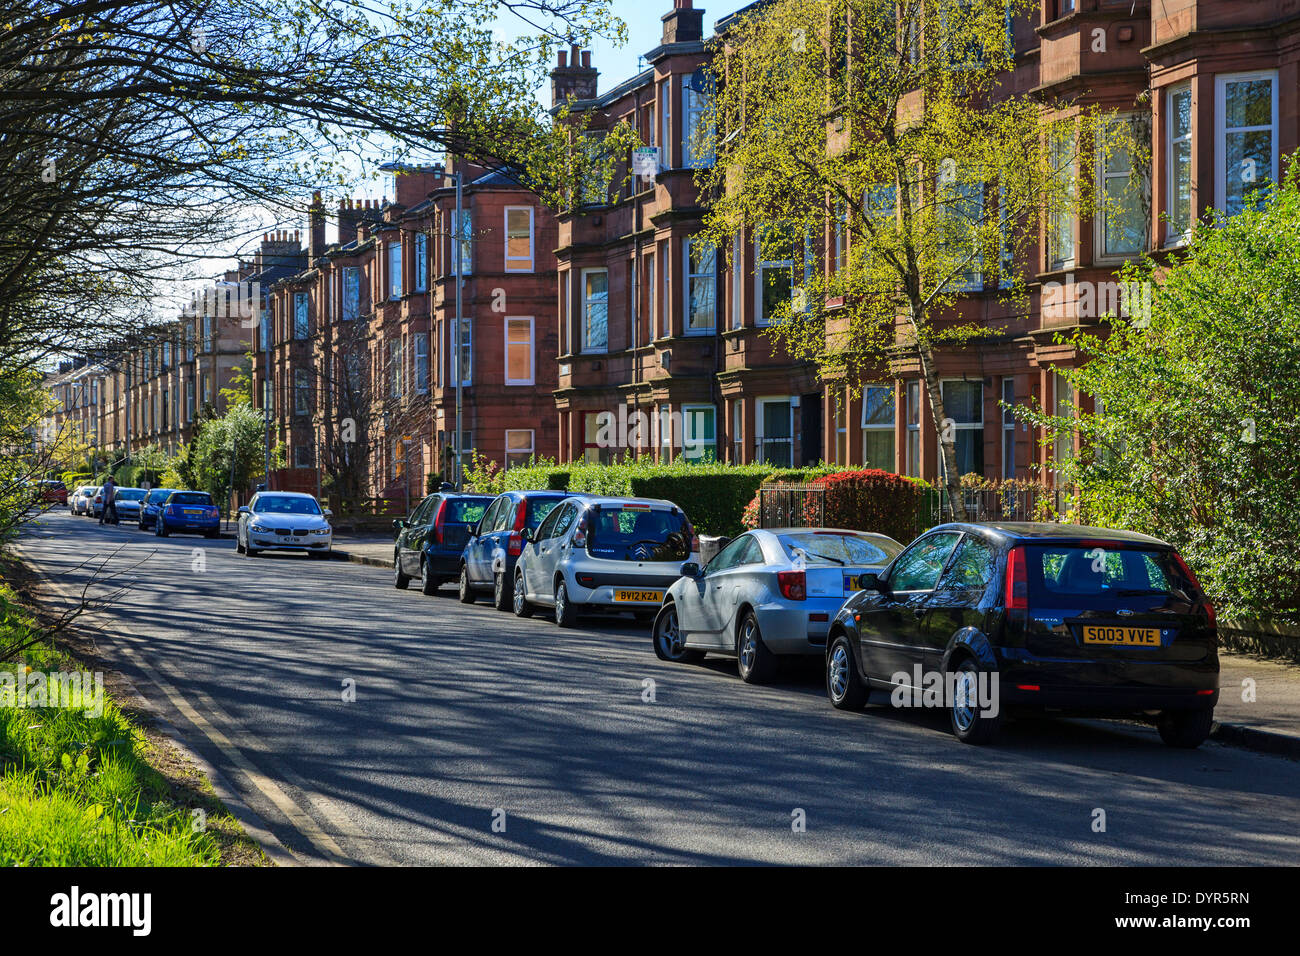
(602, 554)
(1064, 618)
(188, 512)
(50, 491)
(428, 544)
(82, 501)
(149, 508)
(129, 502)
(495, 543)
(766, 593)
(284, 521)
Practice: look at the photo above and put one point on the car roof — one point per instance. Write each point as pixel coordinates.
(286, 494)
(623, 500)
(1049, 531)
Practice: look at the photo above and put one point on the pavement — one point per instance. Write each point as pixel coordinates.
(357, 723)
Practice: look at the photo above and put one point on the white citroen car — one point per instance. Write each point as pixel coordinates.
(284, 521)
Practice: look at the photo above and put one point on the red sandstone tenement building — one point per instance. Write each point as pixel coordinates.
(651, 320)
(358, 362)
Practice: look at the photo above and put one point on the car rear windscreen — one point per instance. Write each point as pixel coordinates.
(1096, 574)
(190, 498)
(465, 510)
(158, 496)
(822, 547)
(538, 509)
(638, 534)
(129, 494)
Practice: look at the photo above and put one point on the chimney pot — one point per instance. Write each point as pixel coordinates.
(563, 60)
(586, 59)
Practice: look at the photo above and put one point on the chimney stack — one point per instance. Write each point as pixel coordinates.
(316, 228)
(684, 24)
(573, 77)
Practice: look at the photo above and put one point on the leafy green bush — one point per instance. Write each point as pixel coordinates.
(1199, 442)
(871, 500)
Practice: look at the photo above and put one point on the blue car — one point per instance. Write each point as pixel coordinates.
(152, 505)
(488, 562)
(189, 512)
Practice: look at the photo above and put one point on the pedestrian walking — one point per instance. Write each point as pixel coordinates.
(110, 502)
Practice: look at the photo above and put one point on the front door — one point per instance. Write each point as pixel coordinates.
(810, 429)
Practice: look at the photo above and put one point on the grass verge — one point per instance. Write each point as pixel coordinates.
(81, 786)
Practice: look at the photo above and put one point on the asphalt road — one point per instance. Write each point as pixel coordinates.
(464, 716)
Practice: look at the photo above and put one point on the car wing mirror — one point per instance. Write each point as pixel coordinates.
(327, 513)
(243, 510)
(399, 524)
(526, 534)
(692, 570)
(871, 581)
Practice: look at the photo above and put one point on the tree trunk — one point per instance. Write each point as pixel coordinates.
(947, 437)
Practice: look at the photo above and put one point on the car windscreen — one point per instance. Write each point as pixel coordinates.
(285, 505)
(465, 510)
(631, 533)
(538, 509)
(1099, 574)
(158, 496)
(828, 547)
(190, 498)
(129, 494)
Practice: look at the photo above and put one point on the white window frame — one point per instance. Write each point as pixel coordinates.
(691, 277)
(355, 273)
(686, 430)
(532, 362)
(465, 356)
(761, 320)
(1099, 219)
(465, 236)
(395, 286)
(737, 281)
(977, 427)
(421, 277)
(666, 123)
(585, 347)
(759, 436)
(912, 429)
(1221, 82)
(1177, 239)
(301, 392)
(1008, 444)
(532, 443)
(519, 263)
(1058, 218)
(892, 428)
(420, 354)
(695, 105)
(396, 361)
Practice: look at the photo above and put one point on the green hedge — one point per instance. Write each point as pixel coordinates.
(713, 494)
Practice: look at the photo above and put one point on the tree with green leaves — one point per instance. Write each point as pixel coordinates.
(1193, 434)
(894, 124)
(228, 452)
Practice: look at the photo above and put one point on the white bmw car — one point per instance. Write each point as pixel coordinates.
(768, 592)
(284, 521)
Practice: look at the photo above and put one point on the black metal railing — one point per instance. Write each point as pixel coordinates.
(791, 505)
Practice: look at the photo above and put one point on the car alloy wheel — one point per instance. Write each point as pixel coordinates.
(466, 594)
(500, 599)
(844, 687)
(970, 723)
(428, 583)
(566, 615)
(521, 606)
(754, 661)
(667, 638)
(400, 580)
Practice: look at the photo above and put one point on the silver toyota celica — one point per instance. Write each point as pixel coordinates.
(766, 593)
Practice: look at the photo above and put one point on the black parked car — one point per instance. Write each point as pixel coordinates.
(488, 562)
(1070, 619)
(429, 542)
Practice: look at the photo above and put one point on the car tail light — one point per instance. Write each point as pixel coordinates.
(793, 585)
(521, 516)
(587, 580)
(1205, 601)
(1033, 687)
(437, 521)
(1017, 581)
(515, 544)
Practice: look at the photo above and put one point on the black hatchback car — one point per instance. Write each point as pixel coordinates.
(429, 543)
(1051, 617)
(488, 562)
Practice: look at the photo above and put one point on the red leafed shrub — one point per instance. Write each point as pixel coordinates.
(871, 500)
